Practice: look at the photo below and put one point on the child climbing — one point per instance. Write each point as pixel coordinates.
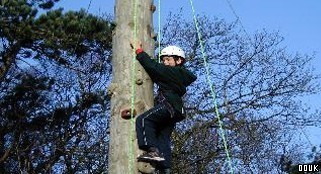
(155, 126)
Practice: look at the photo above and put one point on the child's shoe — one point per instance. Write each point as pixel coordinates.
(152, 155)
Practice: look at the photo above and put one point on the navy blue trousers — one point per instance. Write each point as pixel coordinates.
(154, 128)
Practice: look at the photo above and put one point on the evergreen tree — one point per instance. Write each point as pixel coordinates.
(55, 67)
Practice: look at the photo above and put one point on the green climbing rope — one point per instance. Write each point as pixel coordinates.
(212, 88)
(131, 157)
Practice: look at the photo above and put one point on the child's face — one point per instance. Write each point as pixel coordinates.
(170, 61)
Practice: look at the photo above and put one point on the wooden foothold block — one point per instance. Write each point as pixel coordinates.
(145, 168)
(126, 114)
(152, 8)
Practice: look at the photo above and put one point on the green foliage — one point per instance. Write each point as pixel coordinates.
(45, 119)
(25, 98)
(54, 35)
(16, 22)
(76, 32)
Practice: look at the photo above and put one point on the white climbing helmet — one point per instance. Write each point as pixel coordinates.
(173, 51)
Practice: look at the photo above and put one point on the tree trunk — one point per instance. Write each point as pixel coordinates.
(123, 148)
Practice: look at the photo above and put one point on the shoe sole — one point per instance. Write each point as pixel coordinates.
(158, 159)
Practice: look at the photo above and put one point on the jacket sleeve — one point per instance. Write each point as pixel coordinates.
(189, 77)
(155, 70)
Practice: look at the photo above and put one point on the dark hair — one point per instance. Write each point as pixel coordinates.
(176, 58)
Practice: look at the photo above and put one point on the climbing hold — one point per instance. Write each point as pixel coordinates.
(127, 114)
(146, 168)
(152, 8)
(112, 89)
(139, 81)
(154, 36)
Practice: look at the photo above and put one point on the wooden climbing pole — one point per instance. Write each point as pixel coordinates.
(133, 20)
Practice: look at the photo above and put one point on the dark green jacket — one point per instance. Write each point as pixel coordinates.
(172, 81)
